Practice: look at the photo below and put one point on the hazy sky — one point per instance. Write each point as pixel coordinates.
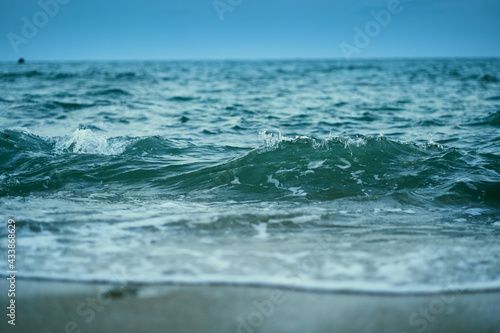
(247, 29)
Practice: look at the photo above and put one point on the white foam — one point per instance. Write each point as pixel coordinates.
(476, 211)
(271, 180)
(261, 229)
(297, 192)
(315, 164)
(84, 141)
(272, 137)
(347, 164)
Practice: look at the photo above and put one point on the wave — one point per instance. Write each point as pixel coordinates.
(351, 166)
(282, 167)
(116, 92)
(67, 106)
(491, 120)
(85, 141)
(39, 74)
(182, 99)
(487, 78)
(21, 74)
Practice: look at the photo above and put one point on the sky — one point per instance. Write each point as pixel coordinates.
(247, 29)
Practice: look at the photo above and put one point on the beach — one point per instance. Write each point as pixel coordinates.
(51, 306)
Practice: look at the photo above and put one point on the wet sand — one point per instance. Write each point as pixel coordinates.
(54, 306)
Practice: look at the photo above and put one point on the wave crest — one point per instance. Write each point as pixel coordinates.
(84, 141)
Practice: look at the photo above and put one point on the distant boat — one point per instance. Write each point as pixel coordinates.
(20, 61)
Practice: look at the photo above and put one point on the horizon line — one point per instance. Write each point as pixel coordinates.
(254, 59)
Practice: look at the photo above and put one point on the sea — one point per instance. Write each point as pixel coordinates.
(370, 176)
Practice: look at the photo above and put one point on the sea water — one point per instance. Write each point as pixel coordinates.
(368, 175)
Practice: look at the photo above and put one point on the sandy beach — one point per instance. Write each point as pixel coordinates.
(53, 306)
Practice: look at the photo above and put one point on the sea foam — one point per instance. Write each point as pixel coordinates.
(84, 141)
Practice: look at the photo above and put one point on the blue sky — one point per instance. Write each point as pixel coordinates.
(246, 29)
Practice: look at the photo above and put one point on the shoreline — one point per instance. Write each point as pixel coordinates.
(449, 288)
(57, 306)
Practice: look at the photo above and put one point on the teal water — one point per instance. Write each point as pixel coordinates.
(373, 175)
